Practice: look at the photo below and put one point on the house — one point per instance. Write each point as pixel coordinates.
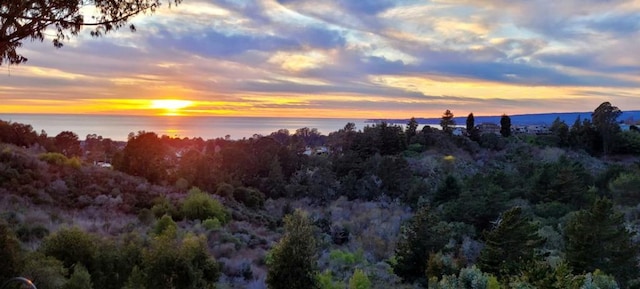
(317, 151)
(488, 127)
(537, 129)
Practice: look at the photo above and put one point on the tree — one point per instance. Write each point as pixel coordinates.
(144, 156)
(447, 122)
(505, 125)
(418, 238)
(604, 119)
(598, 239)
(510, 246)
(199, 205)
(9, 253)
(80, 279)
(30, 19)
(68, 144)
(359, 280)
(412, 126)
(561, 130)
(293, 259)
(471, 123)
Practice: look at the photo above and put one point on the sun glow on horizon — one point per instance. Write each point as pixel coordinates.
(170, 106)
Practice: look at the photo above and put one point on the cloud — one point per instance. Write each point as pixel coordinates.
(370, 53)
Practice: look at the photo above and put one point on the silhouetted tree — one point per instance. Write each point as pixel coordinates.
(604, 119)
(144, 156)
(412, 127)
(505, 125)
(471, 122)
(30, 19)
(68, 144)
(447, 122)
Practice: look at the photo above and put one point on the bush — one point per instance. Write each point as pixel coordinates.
(200, 206)
(211, 224)
(80, 279)
(225, 190)
(54, 158)
(71, 246)
(166, 227)
(250, 197)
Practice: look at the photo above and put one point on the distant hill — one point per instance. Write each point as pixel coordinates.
(520, 119)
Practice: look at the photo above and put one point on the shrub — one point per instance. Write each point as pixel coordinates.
(250, 197)
(162, 206)
(359, 280)
(71, 246)
(166, 227)
(54, 158)
(225, 190)
(80, 279)
(200, 206)
(211, 224)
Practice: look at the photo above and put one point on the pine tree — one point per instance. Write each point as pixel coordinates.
(418, 239)
(510, 246)
(293, 260)
(447, 123)
(597, 239)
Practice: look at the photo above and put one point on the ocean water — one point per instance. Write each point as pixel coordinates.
(118, 127)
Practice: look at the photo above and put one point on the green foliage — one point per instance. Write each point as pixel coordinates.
(71, 246)
(625, 189)
(325, 281)
(171, 263)
(54, 158)
(136, 279)
(599, 280)
(359, 280)
(225, 190)
(166, 227)
(250, 197)
(347, 258)
(418, 238)
(211, 224)
(293, 260)
(597, 239)
(10, 254)
(469, 278)
(162, 206)
(80, 279)
(144, 156)
(46, 272)
(510, 246)
(449, 190)
(199, 205)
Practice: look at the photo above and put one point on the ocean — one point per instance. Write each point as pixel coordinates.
(118, 127)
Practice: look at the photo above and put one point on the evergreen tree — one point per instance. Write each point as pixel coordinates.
(561, 130)
(418, 238)
(510, 246)
(604, 119)
(597, 239)
(293, 260)
(412, 127)
(9, 253)
(80, 279)
(359, 280)
(471, 123)
(449, 190)
(505, 125)
(447, 122)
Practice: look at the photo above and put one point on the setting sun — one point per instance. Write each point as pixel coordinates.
(171, 106)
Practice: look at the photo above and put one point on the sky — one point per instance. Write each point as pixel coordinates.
(343, 59)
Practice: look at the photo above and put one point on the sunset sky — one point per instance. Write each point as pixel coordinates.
(342, 58)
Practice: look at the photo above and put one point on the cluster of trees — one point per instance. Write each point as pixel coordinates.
(491, 210)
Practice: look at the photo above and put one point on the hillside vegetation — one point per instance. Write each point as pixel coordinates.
(386, 206)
